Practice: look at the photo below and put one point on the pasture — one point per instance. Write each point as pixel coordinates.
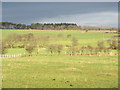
(61, 71)
(60, 37)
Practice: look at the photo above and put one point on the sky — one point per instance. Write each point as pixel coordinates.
(81, 13)
(60, 1)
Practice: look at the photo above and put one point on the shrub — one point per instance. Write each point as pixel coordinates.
(30, 36)
(69, 36)
(42, 41)
(30, 48)
(59, 48)
(55, 48)
(67, 45)
(51, 48)
(82, 50)
(107, 50)
(97, 50)
(113, 43)
(101, 45)
(74, 42)
(11, 40)
(73, 50)
(90, 49)
(3, 47)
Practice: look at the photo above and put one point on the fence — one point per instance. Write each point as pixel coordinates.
(11, 56)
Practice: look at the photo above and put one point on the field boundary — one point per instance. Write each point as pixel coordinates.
(20, 55)
(11, 56)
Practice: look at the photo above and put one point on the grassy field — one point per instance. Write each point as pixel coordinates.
(57, 72)
(84, 38)
(61, 71)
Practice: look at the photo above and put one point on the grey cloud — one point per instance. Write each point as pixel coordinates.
(60, 1)
(86, 12)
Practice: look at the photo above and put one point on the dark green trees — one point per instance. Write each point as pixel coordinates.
(52, 26)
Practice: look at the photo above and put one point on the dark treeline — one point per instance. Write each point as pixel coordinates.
(51, 26)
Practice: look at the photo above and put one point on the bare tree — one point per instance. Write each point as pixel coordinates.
(74, 42)
(54, 48)
(3, 47)
(30, 48)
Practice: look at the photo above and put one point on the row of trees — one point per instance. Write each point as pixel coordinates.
(32, 43)
(51, 26)
(97, 28)
(40, 26)
(75, 49)
(9, 25)
(29, 42)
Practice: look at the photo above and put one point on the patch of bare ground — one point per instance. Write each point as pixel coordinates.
(70, 69)
(111, 54)
(111, 32)
(116, 36)
(104, 74)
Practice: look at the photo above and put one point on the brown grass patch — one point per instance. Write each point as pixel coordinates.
(70, 69)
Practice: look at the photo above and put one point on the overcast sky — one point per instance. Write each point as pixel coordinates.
(60, 0)
(81, 13)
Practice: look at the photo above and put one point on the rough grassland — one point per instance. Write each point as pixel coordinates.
(61, 72)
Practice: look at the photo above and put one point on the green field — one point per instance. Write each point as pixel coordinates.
(85, 38)
(79, 71)
(61, 71)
